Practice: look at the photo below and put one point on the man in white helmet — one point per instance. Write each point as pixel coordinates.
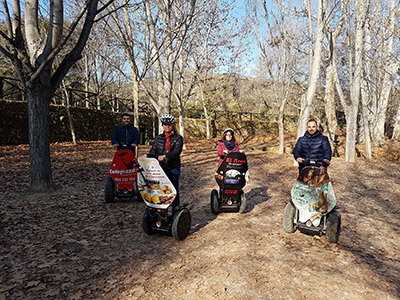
(167, 148)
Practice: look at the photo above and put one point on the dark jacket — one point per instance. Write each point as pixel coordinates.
(125, 135)
(173, 159)
(315, 147)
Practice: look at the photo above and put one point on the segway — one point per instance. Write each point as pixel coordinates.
(122, 180)
(158, 193)
(231, 176)
(312, 206)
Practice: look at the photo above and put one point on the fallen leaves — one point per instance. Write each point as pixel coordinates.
(70, 244)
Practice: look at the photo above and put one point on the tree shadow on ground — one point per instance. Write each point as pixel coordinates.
(372, 210)
(256, 196)
(375, 259)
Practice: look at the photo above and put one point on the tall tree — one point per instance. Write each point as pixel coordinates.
(279, 57)
(315, 64)
(33, 44)
(384, 61)
(396, 129)
(167, 23)
(127, 26)
(333, 31)
(215, 41)
(355, 47)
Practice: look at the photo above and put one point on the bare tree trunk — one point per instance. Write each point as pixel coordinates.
(396, 129)
(154, 45)
(379, 128)
(390, 69)
(67, 93)
(155, 124)
(351, 110)
(365, 92)
(39, 148)
(135, 91)
(351, 132)
(307, 100)
(330, 107)
(178, 97)
(182, 119)
(205, 114)
(365, 119)
(87, 79)
(281, 129)
(98, 102)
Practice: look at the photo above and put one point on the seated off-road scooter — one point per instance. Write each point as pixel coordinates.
(158, 194)
(312, 205)
(231, 177)
(122, 180)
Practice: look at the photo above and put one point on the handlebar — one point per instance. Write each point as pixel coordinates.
(316, 163)
(124, 146)
(312, 162)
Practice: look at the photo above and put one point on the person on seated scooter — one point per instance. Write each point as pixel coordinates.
(228, 143)
(126, 134)
(313, 146)
(167, 148)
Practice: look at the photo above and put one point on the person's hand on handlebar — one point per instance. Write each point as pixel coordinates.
(115, 146)
(161, 158)
(133, 145)
(326, 162)
(300, 160)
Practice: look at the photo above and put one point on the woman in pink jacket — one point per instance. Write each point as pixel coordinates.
(228, 143)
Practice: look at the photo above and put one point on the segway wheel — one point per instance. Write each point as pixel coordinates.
(333, 224)
(214, 202)
(243, 202)
(288, 218)
(146, 223)
(109, 190)
(136, 193)
(181, 223)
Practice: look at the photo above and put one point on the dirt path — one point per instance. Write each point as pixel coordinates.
(71, 245)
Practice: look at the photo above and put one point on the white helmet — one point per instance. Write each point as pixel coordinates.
(167, 119)
(229, 129)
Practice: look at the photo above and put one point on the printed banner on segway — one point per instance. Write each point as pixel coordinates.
(154, 185)
(233, 171)
(313, 195)
(123, 170)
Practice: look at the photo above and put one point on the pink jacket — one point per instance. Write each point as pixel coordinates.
(221, 148)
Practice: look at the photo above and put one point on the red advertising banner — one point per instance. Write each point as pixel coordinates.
(123, 170)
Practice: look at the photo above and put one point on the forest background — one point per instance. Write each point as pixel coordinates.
(336, 61)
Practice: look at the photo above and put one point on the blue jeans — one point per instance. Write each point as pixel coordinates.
(174, 175)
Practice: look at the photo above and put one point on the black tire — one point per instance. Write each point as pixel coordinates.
(146, 223)
(136, 193)
(333, 223)
(288, 218)
(109, 190)
(181, 223)
(214, 202)
(243, 202)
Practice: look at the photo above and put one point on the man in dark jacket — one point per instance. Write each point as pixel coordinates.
(167, 148)
(126, 134)
(313, 146)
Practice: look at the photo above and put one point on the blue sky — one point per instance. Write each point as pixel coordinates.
(252, 48)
